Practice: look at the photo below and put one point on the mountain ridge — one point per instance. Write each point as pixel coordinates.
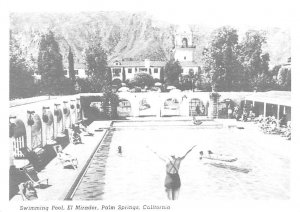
(124, 35)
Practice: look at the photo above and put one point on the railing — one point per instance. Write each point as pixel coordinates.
(18, 143)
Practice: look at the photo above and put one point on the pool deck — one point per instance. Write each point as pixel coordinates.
(61, 180)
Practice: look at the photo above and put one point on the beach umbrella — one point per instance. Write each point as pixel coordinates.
(157, 89)
(123, 89)
(170, 87)
(157, 84)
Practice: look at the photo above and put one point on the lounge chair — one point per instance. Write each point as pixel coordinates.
(33, 177)
(65, 159)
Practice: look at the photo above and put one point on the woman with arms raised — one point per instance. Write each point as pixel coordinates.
(172, 180)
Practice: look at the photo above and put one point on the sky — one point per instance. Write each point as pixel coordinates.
(209, 12)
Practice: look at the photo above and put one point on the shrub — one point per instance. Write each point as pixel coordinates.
(142, 80)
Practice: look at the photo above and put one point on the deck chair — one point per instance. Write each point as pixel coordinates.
(65, 159)
(33, 177)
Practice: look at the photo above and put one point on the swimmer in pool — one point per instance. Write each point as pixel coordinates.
(172, 180)
(119, 150)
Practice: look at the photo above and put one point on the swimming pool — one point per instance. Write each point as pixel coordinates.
(139, 174)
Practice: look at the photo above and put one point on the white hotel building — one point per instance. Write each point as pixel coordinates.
(183, 52)
(124, 70)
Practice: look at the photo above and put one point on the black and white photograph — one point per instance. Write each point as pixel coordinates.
(149, 108)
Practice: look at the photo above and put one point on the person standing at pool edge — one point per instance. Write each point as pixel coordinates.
(172, 180)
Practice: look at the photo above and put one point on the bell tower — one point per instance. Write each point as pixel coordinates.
(184, 48)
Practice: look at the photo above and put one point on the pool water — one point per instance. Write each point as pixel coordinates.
(261, 171)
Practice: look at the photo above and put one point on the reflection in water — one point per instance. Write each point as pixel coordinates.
(230, 167)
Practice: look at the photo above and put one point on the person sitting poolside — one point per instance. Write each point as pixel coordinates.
(259, 119)
(283, 121)
(236, 113)
(83, 128)
(76, 128)
(244, 115)
(76, 139)
(251, 116)
(27, 191)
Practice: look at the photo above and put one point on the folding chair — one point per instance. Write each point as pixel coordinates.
(33, 176)
(65, 159)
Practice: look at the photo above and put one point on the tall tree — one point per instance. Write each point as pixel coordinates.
(71, 66)
(172, 71)
(110, 99)
(96, 62)
(220, 59)
(255, 62)
(21, 82)
(50, 65)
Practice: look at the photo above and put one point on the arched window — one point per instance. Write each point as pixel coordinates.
(20, 138)
(117, 63)
(36, 132)
(196, 107)
(124, 107)
(185, 43)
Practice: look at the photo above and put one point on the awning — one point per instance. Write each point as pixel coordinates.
(272, 97)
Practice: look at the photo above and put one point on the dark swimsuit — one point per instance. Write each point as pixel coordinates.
(172, 181)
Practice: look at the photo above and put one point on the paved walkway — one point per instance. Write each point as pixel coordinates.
(165, 118)
(60, 179)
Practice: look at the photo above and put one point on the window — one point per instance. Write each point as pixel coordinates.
(129, 71)
(184, 43)
(116, 72)
(65, 72)
(156, 70)
(143, 69)
(76, 72)
(117, 63)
